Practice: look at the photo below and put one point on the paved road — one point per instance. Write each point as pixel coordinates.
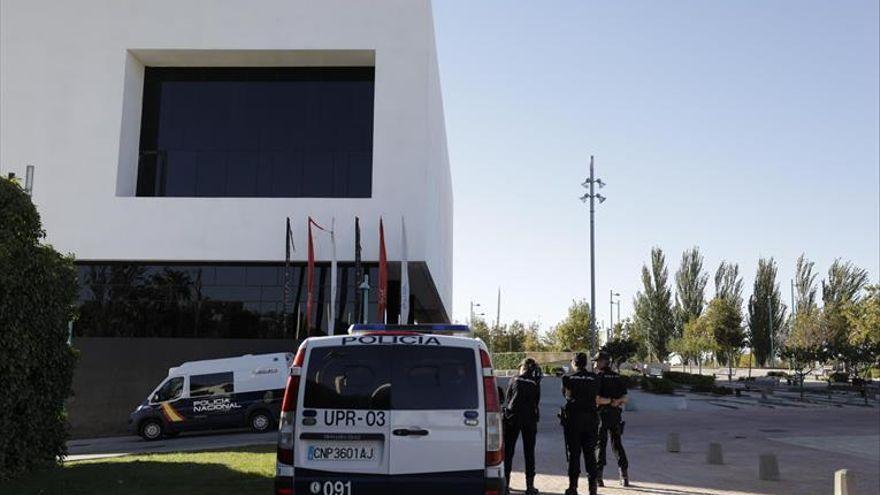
(811, 441)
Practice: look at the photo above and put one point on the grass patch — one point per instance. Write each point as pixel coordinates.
(245, 470)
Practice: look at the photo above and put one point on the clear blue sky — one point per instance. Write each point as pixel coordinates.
(748, 128)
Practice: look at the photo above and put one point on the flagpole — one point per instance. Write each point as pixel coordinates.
(286, 293)
(332, 319)
(403, 318)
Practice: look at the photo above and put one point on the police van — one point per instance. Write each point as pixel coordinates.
(391, 409)
(216, 393)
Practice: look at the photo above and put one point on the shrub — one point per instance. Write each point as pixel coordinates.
(631, 379)
(689, 378)
(722, 390)
(778, 374)
(838, 377)
(37, 294)
(658, 385)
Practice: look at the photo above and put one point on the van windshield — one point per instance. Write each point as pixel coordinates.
(171, 390)
(391, 377)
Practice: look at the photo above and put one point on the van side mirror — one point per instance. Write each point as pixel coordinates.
(155, 398)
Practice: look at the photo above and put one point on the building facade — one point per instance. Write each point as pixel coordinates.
(170, 141)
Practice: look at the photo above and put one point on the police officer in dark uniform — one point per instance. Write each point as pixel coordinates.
(612, 397)
(521, 416)
(580, 421)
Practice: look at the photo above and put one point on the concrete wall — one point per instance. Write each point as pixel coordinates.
(71, 78)
(113, 375)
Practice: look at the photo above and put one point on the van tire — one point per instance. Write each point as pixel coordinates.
(260, 421)
(151, 429)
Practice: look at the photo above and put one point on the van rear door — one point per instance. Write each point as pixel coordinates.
(343, 422)
(437, 420)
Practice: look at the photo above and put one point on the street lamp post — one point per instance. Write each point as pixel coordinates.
(611, 295)
(472, 314)
(590, 184)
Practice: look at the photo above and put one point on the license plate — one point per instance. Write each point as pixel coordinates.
(352, 452)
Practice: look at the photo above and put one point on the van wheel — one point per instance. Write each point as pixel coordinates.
(151, 429)
(261, 421)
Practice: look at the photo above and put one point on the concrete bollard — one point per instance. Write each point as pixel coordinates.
(768, 467)
(843, 482)
(715, 456)
(673, 444)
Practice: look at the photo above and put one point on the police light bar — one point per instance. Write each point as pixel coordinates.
(462, 330)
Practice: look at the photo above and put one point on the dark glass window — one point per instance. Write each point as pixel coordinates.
(357, 377)
(211, 384)
(172, 389)
(434, 378)
(214, 300)
(257, 132)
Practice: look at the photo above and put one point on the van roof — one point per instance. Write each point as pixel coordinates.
(231, 363)
(400, 338)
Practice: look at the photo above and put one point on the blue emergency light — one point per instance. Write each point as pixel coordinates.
(437, 329)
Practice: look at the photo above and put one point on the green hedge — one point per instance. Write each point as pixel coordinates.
(657, 385)
(507, 360)
(38, 290)
(632, 379)
(702, 381)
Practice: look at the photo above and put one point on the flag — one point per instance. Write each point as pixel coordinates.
(404, 277)
(331, 325)
(358, 272)
(288, 248)
(383, 275)
(310, 280)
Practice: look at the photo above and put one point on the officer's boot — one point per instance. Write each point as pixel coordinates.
(530, 486)
(572, 486)
(594, 488)
(599, 480)
(624, 477)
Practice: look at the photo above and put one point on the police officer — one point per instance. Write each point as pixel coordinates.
(612, 397)
(521, 416)
(580, 421)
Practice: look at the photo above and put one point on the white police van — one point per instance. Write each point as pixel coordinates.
(391, 409)
(215, 393)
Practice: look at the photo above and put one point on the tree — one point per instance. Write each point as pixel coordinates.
(690, 284)
(621, 350)
(840, 291)
(728, 283)
(807, 344)
(38, 291)
(766, 312)
(696, 341)
(863, 340)
(653, 306)
(573, 333)
(724, 321)
(805, 285)
(533, 340)
(728, 286)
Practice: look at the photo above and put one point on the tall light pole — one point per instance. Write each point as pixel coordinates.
(770, 324)
(592, 196)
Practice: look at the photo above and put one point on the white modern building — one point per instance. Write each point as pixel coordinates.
(170, 140)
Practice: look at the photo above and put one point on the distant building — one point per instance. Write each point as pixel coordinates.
(171, 140)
